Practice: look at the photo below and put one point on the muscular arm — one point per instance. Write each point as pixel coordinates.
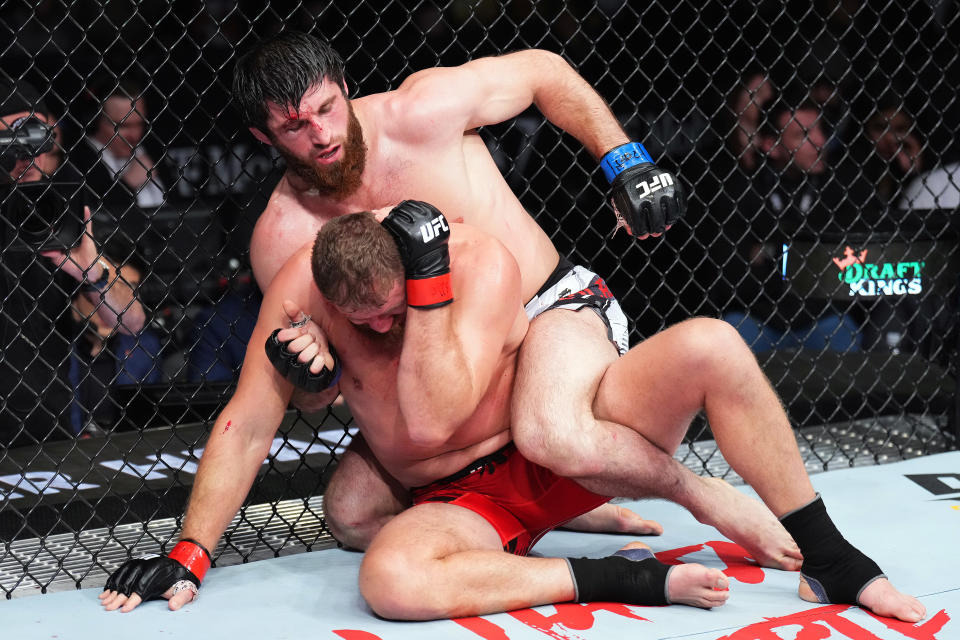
(491, 90)
(450, 354)
(244, 430)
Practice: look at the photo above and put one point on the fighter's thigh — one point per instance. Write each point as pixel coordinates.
(661, 383)
(406, 549)
(562, 359)
(360, 489)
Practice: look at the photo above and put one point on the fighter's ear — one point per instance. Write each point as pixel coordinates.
(260, 135)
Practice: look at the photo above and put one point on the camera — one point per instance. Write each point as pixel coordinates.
(27, 137)
(40, 216)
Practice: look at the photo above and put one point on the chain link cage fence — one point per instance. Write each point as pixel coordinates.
(818, 140)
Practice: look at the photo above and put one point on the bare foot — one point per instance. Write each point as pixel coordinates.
(750, 524)
(693, 584)
(881, 597)
(697, 586)
(610, 518)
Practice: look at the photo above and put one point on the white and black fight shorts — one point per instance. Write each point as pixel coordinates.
(574, 287)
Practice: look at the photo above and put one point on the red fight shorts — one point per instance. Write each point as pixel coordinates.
(521, 500)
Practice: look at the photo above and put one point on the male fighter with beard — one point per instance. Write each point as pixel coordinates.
(420, 141)
(457, 553)
(428, 335)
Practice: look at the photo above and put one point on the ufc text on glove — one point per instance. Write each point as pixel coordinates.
(645, 199)
(421, 233)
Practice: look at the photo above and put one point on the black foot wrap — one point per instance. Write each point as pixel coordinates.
(620, 578)
(297, 372)
(836, 571)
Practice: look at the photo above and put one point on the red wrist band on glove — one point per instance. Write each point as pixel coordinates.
(430, 292)
(192, 556)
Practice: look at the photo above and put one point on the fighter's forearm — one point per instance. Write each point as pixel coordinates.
(226, 472)
(436, 384)
(571, 103)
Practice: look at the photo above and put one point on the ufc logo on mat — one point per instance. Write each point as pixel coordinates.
(430, 230)
(657, 183)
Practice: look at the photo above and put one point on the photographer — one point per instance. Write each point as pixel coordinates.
(43, 273)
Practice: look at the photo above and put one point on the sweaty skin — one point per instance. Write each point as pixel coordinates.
(610, 437)
(422, 144)
(482, 336)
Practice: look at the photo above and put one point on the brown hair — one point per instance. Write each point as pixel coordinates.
(355, 261)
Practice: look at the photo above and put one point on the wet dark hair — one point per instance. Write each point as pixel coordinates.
(281, 70)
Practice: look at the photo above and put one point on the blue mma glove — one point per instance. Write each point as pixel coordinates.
(645, 199)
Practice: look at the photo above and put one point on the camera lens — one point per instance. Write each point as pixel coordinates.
(36, 217)
(43, 215)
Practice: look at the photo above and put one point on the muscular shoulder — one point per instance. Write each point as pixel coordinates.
(481, 261)
(433, 103)
(282, 228)
(294, 279)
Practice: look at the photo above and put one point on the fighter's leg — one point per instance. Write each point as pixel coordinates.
(690, 584)
(360, 497)
(438, 560)
(704, 362)
(612, 518)
(662, 382)
(562, 361)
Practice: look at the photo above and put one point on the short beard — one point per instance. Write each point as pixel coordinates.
(343, 177)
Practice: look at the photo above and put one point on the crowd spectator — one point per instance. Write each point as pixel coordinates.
(938, 188)
(37, 329)
(790, 194)
(220, 334)
(118, 169)
(744, 104)
(881, 159)
(104, 359)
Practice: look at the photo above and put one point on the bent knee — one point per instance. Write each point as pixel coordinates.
(394, 590)
(352, 527)
(707, 344)
(379, 585)
(566, 453)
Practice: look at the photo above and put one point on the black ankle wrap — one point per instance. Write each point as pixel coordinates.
(836, 571)
(620, 579)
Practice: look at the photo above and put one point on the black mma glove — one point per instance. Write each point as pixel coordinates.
(422, 234)
(151, 576)
(299, 372)
(645, 199)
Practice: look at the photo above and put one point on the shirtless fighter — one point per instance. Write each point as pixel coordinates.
(429, 385)
(420, 141)
(427, 370)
